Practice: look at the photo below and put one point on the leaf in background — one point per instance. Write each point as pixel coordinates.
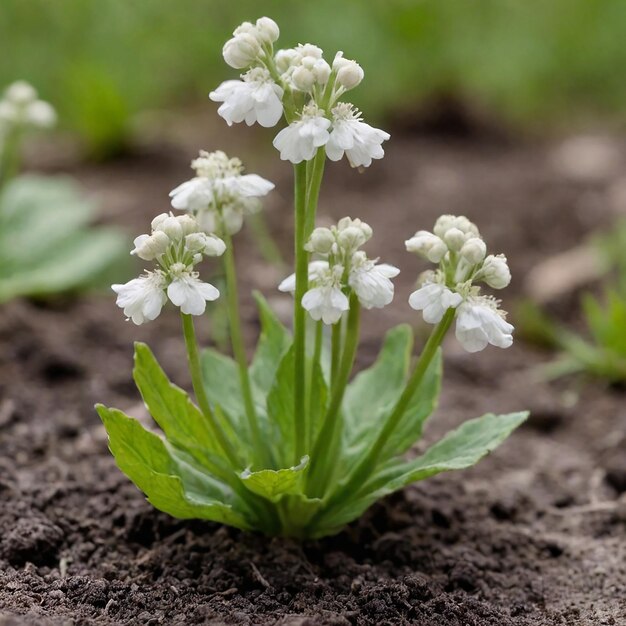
(459, 449)
(275, 484)
(375, 390)
(81, 259)
(170, 485)
(272, 346)
(44, 245)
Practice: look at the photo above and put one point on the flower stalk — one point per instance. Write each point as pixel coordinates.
(195, 369)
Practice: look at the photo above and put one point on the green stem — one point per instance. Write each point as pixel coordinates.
(258, 442)
(368, 464)
(193, 357)
(317, 355)
(322, 457)
(335, 354)
(314, 184)
(299, 317)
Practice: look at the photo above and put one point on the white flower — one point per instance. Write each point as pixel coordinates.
(21, 106)
(142, 298)
(20, 92)
(188, 292)
(446, 222)
(205, 244)
(371, 283)
(149, 247)
(321, 241)
(267, 30)
(480, 322)
(350, 135)
(349, 73)
(427, 245)
(495, 272)
(317, 269)
(326, 302)
(219, 179)
(299, 141)
(242, 50)
(434, 299)
(474, 250)
(256, 98)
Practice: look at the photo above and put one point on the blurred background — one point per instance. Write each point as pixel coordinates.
(527, 64)
(509, 111)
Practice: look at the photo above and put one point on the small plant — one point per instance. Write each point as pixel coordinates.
(287, 445)
(45, 246)
(601, 350)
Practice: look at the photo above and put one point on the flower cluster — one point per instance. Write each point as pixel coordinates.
(177, 244)
(20, 106)
(343, 269)
(299, 83)
(461, 254)
(220, 194)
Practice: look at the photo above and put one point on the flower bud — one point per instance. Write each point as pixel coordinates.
(241, 51)
(351, 238)
(474, 250)
(303, 78)
(309, 50)
(20, 92)
(188, 224)
(321, 71)
(446, 222)
(195, 242)
(454, 239)
(350, 75)
(214, 246)
(267, 29)
(171, 227)
(321, 241)
(158, 220)
(245, 28)
(347, 222)
(427, 245)
(149, 247)
(40, 113)
(495, 271)
(284, 59)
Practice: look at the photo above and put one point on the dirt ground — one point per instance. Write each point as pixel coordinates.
(533, 535)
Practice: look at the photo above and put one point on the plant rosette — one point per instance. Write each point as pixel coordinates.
(291, 444)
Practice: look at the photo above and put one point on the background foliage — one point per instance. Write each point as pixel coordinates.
(532, 61)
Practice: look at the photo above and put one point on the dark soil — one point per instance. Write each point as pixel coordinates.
(534, 535)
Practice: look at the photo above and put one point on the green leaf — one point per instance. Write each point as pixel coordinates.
(170, 484)
(44, 247)
(76, 264)
(422, 404)
(318, 399)
(182, 422)
(273, 344)
(221, 382)
(280, 408)
(274, 484)
(375, 390)
(459, 449)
